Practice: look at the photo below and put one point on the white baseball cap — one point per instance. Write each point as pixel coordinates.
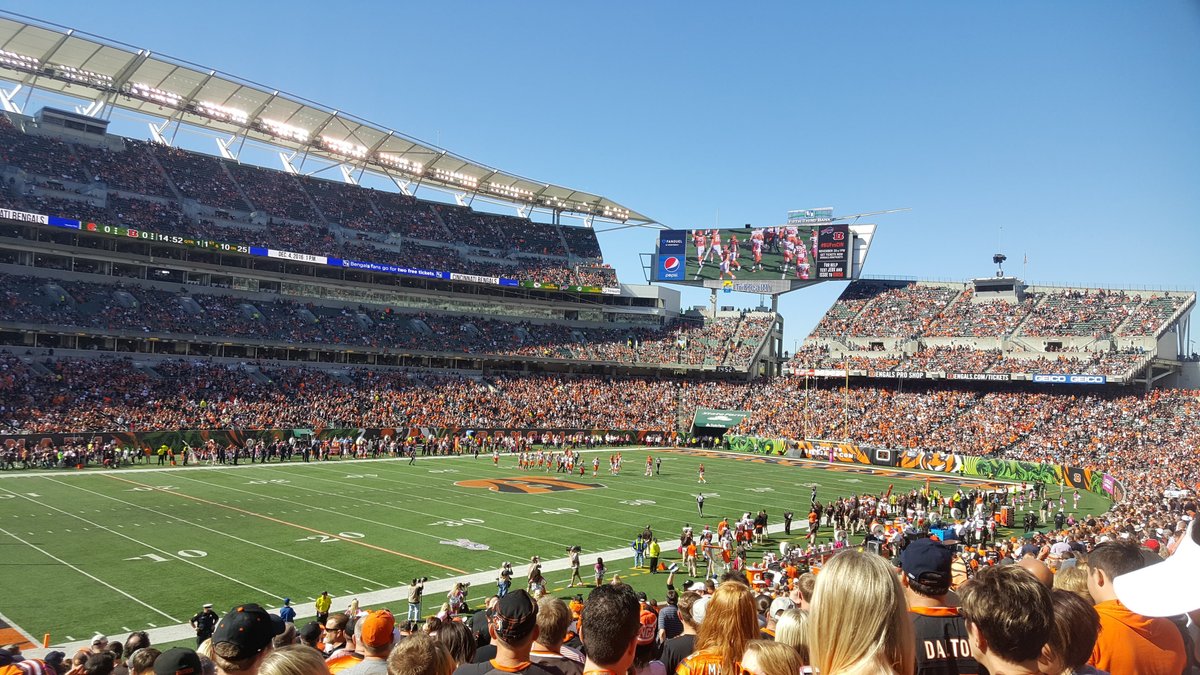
(1169, 588)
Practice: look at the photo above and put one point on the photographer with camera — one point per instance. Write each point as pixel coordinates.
(504, 581)
(416, 590)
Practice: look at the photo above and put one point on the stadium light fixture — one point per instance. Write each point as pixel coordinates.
(344, 147)
(455, 177)
(19, 61)
(81, 76)
(282, 130)
(222, 113)
(153, 94)
(400, 162)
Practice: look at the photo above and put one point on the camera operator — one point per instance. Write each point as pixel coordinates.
(416, 591)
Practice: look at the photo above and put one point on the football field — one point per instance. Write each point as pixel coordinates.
(114, 551)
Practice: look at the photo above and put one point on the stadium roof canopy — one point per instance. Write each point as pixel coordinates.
(53, 58)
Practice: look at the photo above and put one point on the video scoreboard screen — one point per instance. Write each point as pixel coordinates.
(787, 256)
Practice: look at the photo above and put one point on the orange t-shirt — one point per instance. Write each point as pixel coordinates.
(1132, 643)
(703, 662)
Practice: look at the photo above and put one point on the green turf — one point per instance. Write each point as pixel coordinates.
(263, 533)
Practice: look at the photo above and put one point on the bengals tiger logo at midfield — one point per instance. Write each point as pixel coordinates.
(527, 485)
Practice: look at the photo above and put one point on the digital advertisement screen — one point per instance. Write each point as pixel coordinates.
(794, 252)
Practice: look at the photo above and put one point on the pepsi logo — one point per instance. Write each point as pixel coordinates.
(670, 263)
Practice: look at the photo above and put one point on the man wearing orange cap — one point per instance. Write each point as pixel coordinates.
(375, 643)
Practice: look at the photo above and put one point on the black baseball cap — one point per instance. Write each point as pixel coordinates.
(928, 562)
(178, 661)
(515, 617)
(249, 627)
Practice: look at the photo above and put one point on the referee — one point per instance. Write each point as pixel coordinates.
(700, 503)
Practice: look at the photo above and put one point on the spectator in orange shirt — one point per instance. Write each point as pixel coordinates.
(1129, 642)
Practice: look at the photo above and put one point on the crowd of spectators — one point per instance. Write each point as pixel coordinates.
(870, 308)
(274, 192)
(43, 155)
(81, 304)
(407, 216)
(342, 204)
(1152, 314)
(308, 203)
(200, 177)
(1084, 312)
(966, 317)
(901, 312)
(1142, 436)
(130, 169)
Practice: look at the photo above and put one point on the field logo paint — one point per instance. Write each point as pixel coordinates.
(467, 544)
(529, 486)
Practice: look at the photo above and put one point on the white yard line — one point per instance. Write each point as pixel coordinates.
(156, 549)
(189, 523)
(90, 576)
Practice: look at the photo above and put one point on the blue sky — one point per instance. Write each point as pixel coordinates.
(1073, 127)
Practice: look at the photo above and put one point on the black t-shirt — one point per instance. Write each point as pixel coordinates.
(489, 668)
(485, 653)
(676, 650)
(942, 647)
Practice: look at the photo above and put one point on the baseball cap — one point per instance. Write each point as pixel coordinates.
(700, 609)
(515, 616)
(99, 638)
(208, 605)
(780, 605)
(647, 627)
(1169, 588)
(377, 628)
(178, 661)
(249, 627)
(927, 561)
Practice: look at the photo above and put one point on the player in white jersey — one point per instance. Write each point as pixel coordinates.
(814, 243)
(699, 240)
(802, 269)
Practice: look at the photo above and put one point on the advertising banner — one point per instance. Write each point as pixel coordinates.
(673, 242)
(833, 252)
(758, 445)
(719, 419)
(1057, 378)
(670, 267)
(989, 377)
(803, 216)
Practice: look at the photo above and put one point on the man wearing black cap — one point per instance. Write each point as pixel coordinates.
(178, 661)
(204, 623)
(942, 646)
(513, 628)
(242, 638)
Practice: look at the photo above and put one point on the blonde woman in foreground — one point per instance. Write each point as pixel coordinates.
(859, 621)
